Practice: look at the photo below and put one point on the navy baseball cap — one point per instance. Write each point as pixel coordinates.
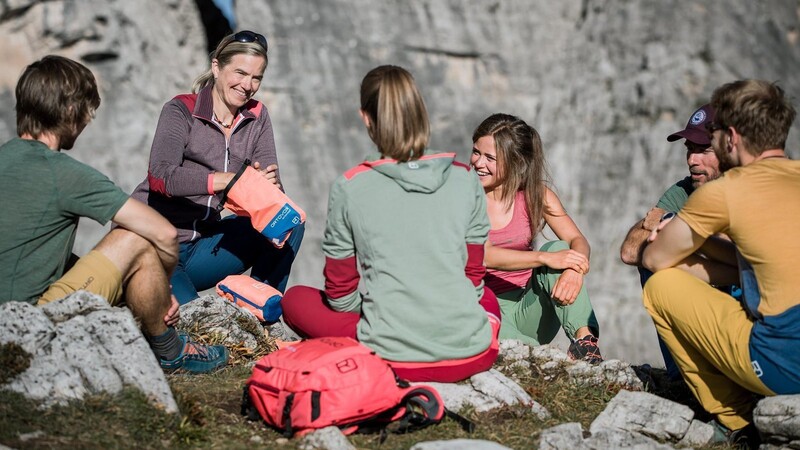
(695, 130)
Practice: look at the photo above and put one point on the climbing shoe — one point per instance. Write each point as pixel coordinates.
(196, 358)
(743, 438)
(585, 349)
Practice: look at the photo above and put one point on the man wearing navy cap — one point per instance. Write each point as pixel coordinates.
(703, 167)
(728, 350)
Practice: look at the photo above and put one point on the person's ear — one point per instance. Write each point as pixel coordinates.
(365, 118)
(734, 139)
(215, 68)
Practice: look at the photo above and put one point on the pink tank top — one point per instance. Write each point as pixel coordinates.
(515, 236)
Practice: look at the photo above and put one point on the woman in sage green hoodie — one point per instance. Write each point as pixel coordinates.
(404, 248)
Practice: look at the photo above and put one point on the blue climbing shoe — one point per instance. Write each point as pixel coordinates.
(196, 358)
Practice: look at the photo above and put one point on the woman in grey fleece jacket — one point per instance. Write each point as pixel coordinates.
(202, 139)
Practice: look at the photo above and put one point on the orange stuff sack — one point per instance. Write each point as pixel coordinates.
(261, 299)
(271, 212)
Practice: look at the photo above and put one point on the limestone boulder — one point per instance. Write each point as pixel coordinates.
(227, 323)
(778, 420)
(646, 414)
(79, 346)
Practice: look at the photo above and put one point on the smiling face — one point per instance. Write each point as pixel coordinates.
(484, 161)
(703, 163)
(239, 80)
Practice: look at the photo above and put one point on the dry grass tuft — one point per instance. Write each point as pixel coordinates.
(239, 353)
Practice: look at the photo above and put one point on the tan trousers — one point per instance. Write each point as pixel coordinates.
(708, 334)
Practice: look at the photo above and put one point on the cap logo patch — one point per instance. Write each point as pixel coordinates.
(698, 117)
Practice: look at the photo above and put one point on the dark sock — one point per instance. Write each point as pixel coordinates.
(166, 346)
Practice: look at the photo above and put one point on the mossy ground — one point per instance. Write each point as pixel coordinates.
(210, 406)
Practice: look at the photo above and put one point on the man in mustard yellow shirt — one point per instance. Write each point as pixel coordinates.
(728, 350)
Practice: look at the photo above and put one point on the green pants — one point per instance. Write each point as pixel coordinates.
(531, 316)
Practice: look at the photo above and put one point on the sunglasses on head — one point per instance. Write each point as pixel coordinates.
(246, 36)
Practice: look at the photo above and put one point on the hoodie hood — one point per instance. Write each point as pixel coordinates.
(424, 175)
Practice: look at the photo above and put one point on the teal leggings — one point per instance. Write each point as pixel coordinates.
(531, 316)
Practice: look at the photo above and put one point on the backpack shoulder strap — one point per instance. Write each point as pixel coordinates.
(424, 406)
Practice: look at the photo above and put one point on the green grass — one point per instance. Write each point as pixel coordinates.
(211, 418)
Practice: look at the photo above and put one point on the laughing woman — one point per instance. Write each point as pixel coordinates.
(201, 141)
(539, 291)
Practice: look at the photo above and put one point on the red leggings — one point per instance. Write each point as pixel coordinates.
(307, 312)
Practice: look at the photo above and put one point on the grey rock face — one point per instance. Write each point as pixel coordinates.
(328, 438)
(562, 437)
(606, 439)
(569, 436)
(486, 391)
(457, 396)
(279, 330)
(778, 420)
(80, 345)
(698, 434)
(514, 353)
(551, 361)
(500, 387)
(459, 444)
(215, 315)
(609, 371)
(646, 414)
(603, 81)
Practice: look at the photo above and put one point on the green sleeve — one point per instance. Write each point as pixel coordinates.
(478, 230)
(85, 192)
(675, 197)
(338, 243)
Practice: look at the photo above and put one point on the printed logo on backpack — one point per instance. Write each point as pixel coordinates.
(337, 381)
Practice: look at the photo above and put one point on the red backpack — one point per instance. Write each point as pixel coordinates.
(337, 381)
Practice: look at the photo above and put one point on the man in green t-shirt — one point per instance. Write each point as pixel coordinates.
(46, 192)
(703, 167)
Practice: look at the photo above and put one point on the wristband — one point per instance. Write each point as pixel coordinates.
(667, 216)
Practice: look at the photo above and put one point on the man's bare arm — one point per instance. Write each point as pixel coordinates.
(636, 240)
(710, 271)
(670, 243)
(674, 243)
(145, 221)
(720, 248)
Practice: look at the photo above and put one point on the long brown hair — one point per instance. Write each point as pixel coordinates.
(521, 163)
(398, 117)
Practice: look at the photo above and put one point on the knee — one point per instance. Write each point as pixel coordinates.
(127, 249)
(658, 285)
(136, 244)
(554, 246)
(295, 296)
